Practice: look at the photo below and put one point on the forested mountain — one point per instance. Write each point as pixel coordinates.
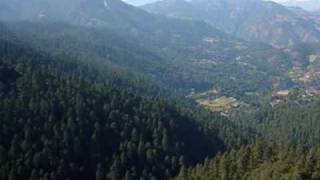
(234, 67)
(180, 54)
(254, 20)
(98, 89)
(113, 14)
(61, 118)
(293, 119)
(261, 160)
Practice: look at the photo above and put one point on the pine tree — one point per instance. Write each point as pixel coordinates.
(183, 174)
(128, 176)
(165, 141)
(115, 170)
(12, 175)
(100, 174)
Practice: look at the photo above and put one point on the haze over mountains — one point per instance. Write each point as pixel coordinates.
(184, 90)
(246, 19)
(253, 20)
(183, 44)
(309, 5)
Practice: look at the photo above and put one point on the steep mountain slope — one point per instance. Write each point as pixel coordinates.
(113, 14)
(183, 54)
(100, 12)
(306, 69)
(249, 19)
(262, 160)
(293, 119)
(231, 66)
(75, 99)
(105, 45)
(189, 56)
(61, 119)
(307, 15)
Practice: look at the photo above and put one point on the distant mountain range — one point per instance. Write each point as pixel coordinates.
(192, 51)
(111, 14)
(251, 20)
(81, 12)
(254, 20)
(180, 53)
(309, 5)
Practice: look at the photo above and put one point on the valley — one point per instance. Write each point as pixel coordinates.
(169, 90)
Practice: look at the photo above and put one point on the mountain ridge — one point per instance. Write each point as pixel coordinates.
(309, 5)
(253, 20)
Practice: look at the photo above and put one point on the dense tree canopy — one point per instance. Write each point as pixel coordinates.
(60, 120)
(100, 103)
(295, 119)
(261, 160)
